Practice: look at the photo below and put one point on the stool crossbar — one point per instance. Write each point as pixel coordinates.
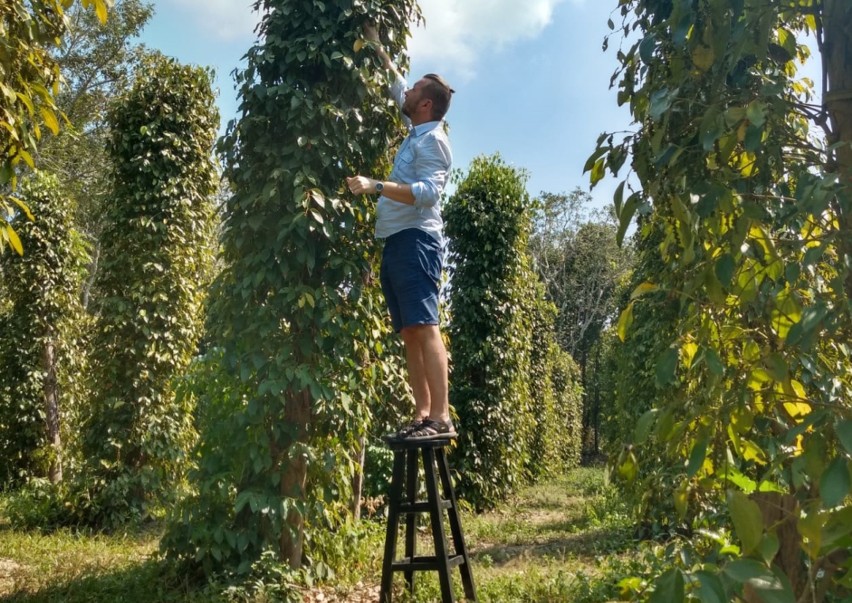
(404, 506)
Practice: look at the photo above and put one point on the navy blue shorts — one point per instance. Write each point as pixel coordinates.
(411, 278)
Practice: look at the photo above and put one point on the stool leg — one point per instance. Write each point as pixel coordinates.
(410, 518)
(393, 524)
(436, 515)
(455, 525)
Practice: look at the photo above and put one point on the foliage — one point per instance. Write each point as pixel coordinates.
(556, 442)
(487, 222)
(97, 61)
(576, 256)
(295, 315)
(498, 317)
(41, 343)
(156, 262)
(750, 429)
(29, 81)
(568, 408)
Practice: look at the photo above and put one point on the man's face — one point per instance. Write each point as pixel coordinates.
(413, 99)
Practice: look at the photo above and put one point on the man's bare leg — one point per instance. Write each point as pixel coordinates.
(416, 373)
(427, 362)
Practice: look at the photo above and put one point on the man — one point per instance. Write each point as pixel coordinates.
(408, 218)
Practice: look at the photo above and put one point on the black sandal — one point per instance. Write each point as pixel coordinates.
(432, 429)
(406, 430)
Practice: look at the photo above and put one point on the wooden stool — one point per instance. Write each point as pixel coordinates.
(405, 470)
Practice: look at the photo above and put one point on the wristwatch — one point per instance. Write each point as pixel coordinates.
(380, 187)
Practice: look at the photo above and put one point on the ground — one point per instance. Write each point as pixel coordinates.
(553, 542)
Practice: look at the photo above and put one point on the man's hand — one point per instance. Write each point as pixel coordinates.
(361, 185)
(371, 34)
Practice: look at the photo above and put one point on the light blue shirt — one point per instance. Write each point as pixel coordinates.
(423, 160)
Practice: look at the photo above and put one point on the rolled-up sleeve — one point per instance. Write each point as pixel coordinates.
(433, 162)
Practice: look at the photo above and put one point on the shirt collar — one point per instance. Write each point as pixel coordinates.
(421, 129)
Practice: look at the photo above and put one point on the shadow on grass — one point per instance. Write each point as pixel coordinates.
(589, 543)
(149, 581)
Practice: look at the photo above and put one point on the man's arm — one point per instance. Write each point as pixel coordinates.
(361, 185)
(371, 35)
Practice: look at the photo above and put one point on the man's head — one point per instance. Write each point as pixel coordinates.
(428, 99)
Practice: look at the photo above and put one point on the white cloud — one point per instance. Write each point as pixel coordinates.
(456, 33)
(225, 19)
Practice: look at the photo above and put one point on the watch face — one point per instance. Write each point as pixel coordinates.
(379, 187)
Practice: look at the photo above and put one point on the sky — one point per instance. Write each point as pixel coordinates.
(531, 78)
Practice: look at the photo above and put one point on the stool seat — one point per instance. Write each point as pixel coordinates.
(403, 503)
(394, 442)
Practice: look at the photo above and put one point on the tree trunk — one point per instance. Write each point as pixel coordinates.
(780, 512)
(50, 390)
(837, 59)
(358, 479)
(597, 399)
(294, 471)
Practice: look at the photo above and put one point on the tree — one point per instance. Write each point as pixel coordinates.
(295, 316)
(576, 256)
(157, 256)
(753, 416)
(97, 61)
(29, 80)
(501, 338)
(41, 355)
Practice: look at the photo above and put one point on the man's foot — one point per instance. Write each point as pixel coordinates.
(432, 429)
(406, 430)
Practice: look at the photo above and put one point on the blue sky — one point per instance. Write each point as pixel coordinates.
(531, 80)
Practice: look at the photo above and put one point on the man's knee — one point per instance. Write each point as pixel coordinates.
(419, 333)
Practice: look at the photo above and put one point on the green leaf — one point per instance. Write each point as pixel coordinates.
(12, 237)
(744, 570)
(597, 171)
(844, 434)
(661, 102)
(50, 120)
(643, 426)
(741, 481)
(724, 268)
(710, 589)
(748, 520)
(26, 101)
(646, 287)
(646, 48)
(625, 321)
(696, 457)
(23, 206)
(714, 362)
(618, 197)
(772, 588)
(756, 114)
(666, 367)
(594, 157)
(768, 547)
(835, 483)
(626, 215)
(668, 588)
(681, 498)
(838, 529)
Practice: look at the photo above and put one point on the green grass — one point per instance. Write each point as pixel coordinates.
(553, 542)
